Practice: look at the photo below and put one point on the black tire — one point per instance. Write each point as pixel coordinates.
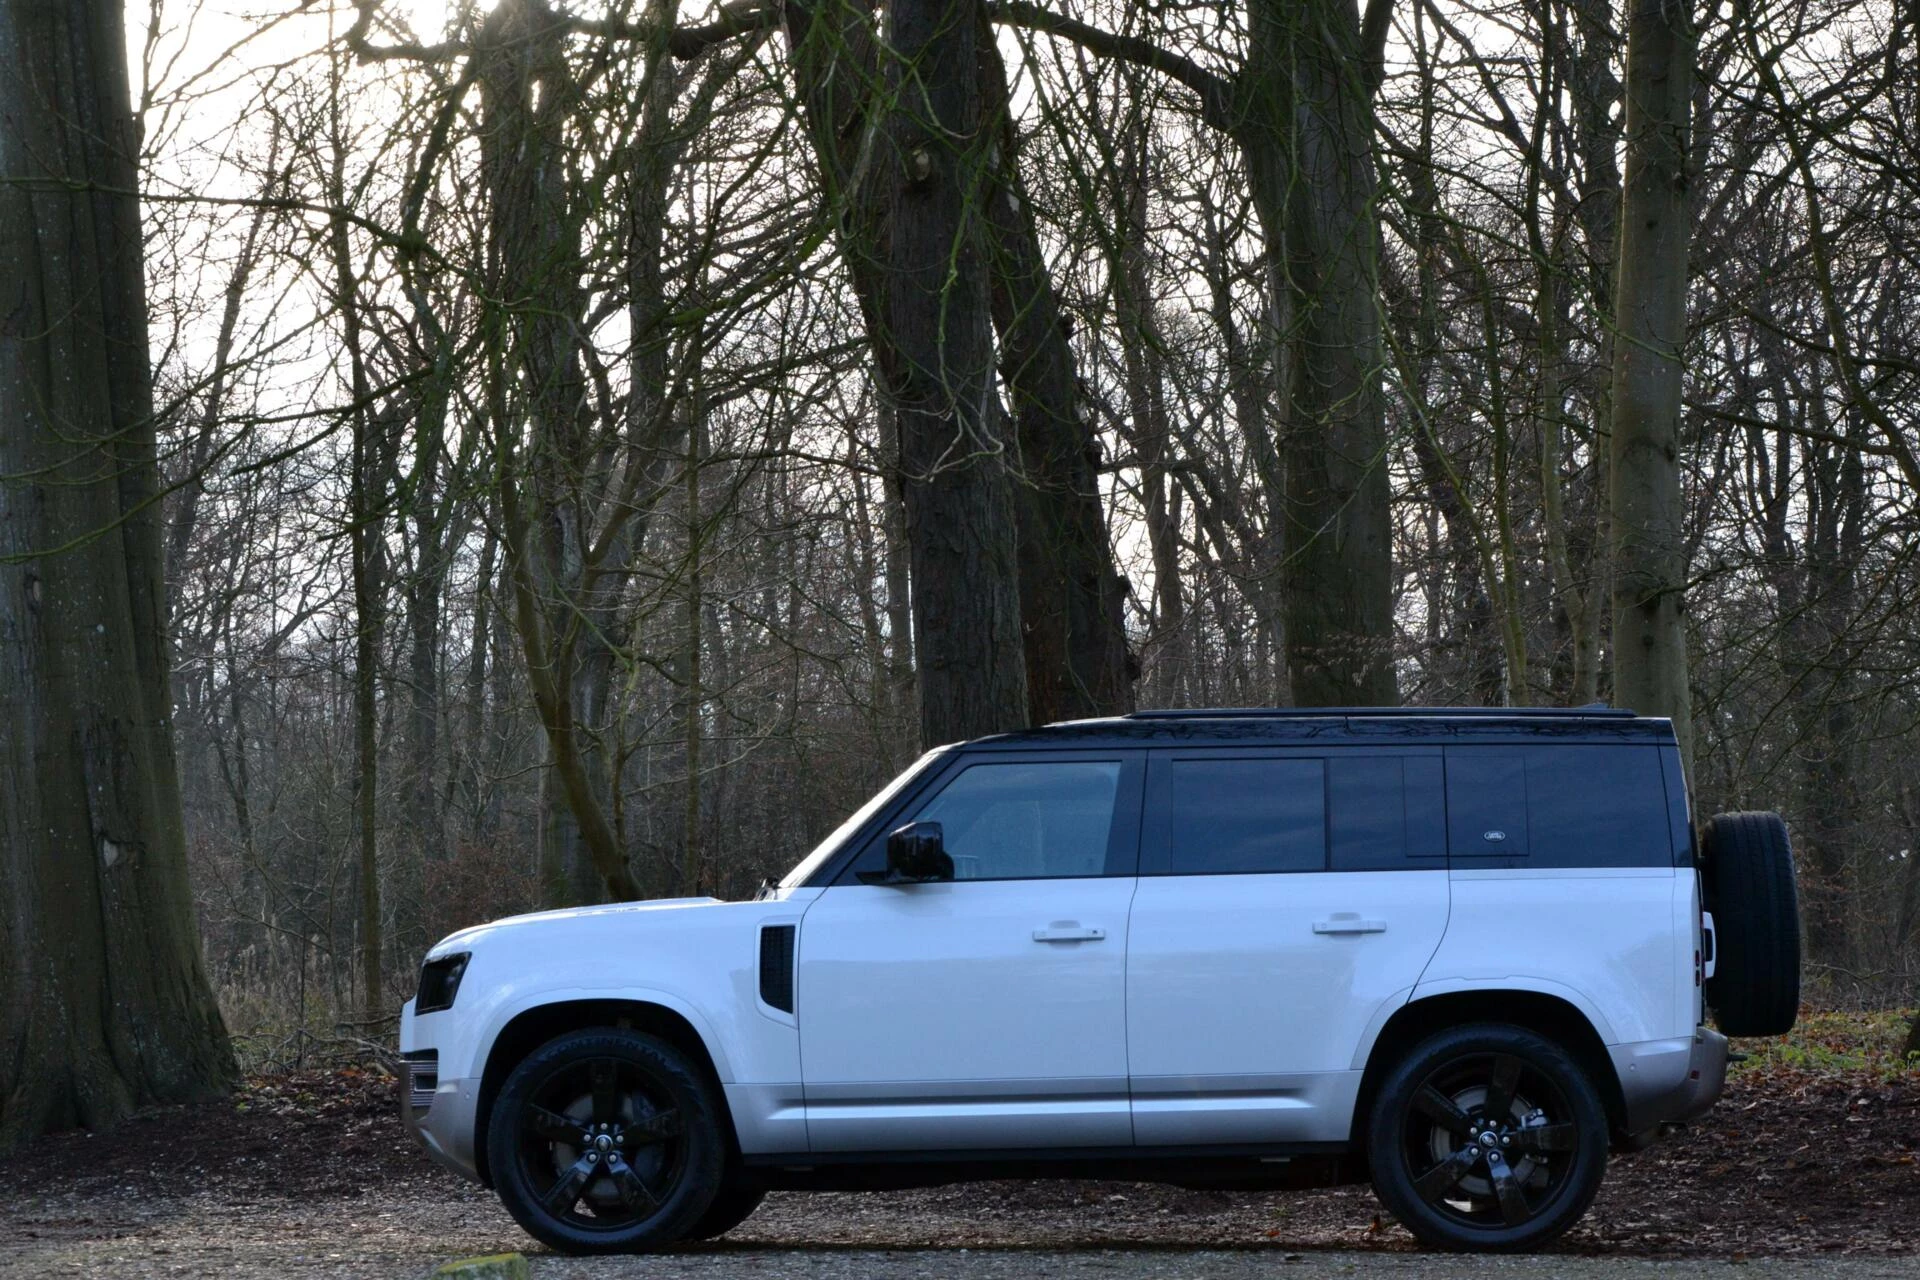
(1748, 863)
(1453, 1186)
(607, 1141)
(733, 1206)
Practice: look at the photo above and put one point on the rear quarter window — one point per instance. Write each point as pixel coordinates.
(1558, 806)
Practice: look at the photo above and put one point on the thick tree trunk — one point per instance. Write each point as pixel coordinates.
(104, 1003)
(1072, 601)
(914, 241)
(936, 355)
(1307, 135)
(1649, 561)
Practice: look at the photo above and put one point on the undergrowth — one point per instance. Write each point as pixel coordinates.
(1827, 1042)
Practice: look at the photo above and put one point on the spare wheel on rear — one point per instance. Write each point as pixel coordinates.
(1749, 885)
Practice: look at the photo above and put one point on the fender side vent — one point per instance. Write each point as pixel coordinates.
(776, 965)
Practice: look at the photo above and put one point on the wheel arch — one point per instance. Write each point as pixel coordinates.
(532, 1027)
(1553, 1016)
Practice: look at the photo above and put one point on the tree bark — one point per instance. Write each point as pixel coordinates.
(1649, 563)
(936, 355)
(1594, 92)
(104, 1002)
(913, 235)
(1148, 431)
(1072, 601)
(902, 684)
(1306, 130)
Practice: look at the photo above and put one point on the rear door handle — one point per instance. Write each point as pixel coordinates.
(1068, 931)
(1346, 922)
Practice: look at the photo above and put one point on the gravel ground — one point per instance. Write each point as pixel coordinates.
(1794, 1175)
(204, 1235)
(407, 1227)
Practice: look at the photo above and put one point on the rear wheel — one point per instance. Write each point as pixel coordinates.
(1487, 1137)
(606, 1141)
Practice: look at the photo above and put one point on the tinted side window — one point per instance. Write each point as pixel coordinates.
(1044, 820)
(1558, 806)
(1246, 815)
(1486, 803)
(1387, 813)
(1597, 806)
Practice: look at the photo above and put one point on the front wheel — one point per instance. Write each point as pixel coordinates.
(1487, 1137)
(606, 1141)
(733, 1206)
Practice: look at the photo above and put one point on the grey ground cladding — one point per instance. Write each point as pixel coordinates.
(1794, 1175)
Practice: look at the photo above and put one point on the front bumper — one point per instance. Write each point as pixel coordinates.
(1670, 1081)
(439, 1113)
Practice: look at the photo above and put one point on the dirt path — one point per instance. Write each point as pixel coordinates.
(1794, 1175)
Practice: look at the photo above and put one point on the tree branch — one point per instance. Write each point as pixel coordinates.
(1374, 26)
(1216, 91)
(741, 17)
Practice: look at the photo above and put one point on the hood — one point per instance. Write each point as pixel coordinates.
(466, 939)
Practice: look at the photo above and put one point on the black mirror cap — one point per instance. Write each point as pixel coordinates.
(916, 854)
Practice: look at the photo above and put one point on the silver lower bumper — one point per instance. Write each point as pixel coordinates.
(443, 1121)
(1670, 1081)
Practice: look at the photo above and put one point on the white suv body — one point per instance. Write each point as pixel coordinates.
(1203, 938)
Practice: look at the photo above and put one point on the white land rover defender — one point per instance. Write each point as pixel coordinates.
(1463, 954)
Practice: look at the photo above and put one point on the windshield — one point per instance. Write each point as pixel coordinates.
(826, 848)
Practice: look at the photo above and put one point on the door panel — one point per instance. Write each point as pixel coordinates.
(989, 1011)
(1248, 993)
(932, 1017)
(1248, 996)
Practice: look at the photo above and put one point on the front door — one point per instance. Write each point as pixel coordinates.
(1288, 901)
(988, 1012)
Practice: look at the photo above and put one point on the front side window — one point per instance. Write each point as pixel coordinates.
(1044, 820)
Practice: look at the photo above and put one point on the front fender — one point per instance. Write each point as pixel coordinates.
(495, 1016)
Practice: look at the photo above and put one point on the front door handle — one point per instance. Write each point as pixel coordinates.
(1068, 931)
(1347, 922)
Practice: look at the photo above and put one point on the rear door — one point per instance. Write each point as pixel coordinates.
(1563, 854)
(990, 1011)
(1288, 901)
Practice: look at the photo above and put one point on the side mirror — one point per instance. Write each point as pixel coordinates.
(916, 854)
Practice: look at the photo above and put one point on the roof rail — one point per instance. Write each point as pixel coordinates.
(1592, 710)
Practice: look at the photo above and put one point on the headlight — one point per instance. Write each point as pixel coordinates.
(440, 982)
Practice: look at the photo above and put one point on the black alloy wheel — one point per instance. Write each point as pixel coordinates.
(606, 1141)
(1488, 1137)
